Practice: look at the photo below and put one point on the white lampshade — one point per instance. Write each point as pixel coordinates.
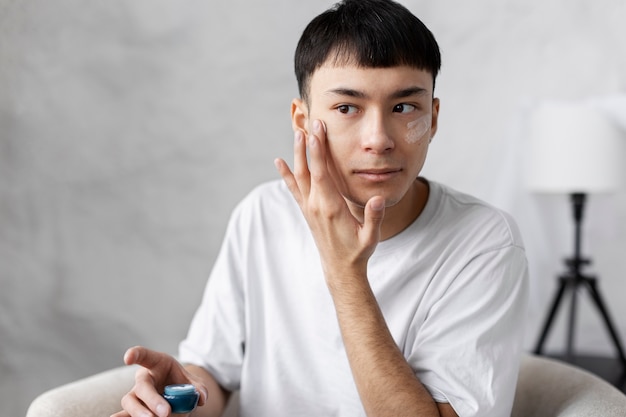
(573, 148)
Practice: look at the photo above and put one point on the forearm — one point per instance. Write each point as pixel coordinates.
(217, 397)
(386, 383)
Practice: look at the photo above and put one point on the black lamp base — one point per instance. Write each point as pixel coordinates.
(571, 281)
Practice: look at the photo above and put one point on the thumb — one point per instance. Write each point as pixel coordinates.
(373, 217)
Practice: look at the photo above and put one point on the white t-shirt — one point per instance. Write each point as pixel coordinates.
(452, 288)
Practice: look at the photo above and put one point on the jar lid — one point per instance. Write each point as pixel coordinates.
(180, 389)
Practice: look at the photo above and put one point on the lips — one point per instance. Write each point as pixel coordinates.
(378, 175)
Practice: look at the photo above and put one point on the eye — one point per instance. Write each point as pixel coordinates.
(403, 108)
(346, 109)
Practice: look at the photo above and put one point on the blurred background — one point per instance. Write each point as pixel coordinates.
(130, 129)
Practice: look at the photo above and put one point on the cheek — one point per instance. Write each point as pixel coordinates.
(417, 129)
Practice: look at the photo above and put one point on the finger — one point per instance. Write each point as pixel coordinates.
(133, 406)
(120, 414)
(157, 370)
(298, 179)
(148, 397)
(147, 358)
(300, 163)
(317, 147)
(373, 219)
(204, 394)
(202, 391)
(288, 178)
(135, 354)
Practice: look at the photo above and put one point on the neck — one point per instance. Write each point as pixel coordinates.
(401, 215)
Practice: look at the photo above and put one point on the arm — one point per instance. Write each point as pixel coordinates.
(158, 370)
(386, 383)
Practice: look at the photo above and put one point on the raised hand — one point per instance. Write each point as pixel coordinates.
(346, 235)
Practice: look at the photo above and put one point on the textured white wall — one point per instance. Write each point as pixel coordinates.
(129, 129)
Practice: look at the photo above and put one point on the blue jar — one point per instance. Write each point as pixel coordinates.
(183, 398)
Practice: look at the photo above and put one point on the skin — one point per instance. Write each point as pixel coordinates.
(159, 369)
(361, 187)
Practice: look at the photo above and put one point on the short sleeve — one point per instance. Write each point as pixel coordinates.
(467, 351)
(216, 337)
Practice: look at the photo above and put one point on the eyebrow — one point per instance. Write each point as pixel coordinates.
(408, 92)
(403, 93)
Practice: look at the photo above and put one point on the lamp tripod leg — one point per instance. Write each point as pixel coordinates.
(572, 322)
(553, 309)
(595, 294)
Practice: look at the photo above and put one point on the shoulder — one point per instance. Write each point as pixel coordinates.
(268, 195)
(468, 215)
(265, 205)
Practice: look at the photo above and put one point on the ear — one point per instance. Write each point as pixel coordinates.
(435, 119)
(299, 116)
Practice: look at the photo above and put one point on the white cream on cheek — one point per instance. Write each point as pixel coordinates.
(417, 128)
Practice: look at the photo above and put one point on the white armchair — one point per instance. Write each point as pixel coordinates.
(546, 388)
(96, 396)
(550, 388)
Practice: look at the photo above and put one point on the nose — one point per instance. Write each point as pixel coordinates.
(375, 134)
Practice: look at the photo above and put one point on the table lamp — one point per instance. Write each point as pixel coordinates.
(575, 150)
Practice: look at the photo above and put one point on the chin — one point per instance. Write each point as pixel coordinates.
(361, 201)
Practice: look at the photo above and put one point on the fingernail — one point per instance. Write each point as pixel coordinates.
(298, 136)
(130, 356)
(378, 204)
(317, 126)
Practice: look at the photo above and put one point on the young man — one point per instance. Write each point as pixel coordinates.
(355, 287)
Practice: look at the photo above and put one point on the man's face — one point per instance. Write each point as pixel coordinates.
(379, 124)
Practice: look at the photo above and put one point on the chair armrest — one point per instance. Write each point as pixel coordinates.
(551, 388)
(97, 395)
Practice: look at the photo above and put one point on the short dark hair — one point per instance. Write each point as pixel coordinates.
(368, 33)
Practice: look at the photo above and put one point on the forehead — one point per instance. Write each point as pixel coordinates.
(371, 81)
